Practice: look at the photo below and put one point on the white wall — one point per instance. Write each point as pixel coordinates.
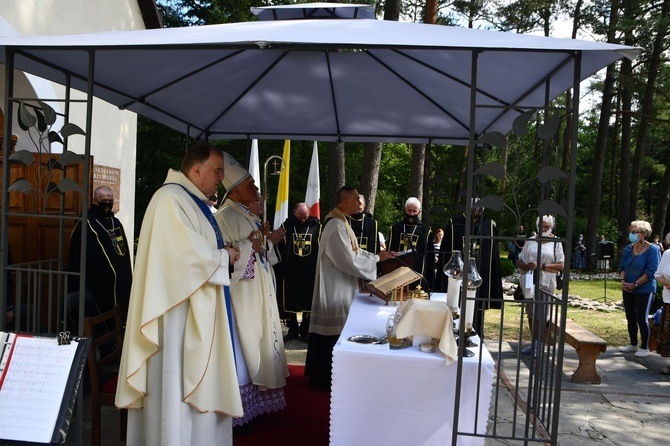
(113, 133)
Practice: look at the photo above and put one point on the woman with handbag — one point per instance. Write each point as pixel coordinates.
(639, 262)
(551, 263)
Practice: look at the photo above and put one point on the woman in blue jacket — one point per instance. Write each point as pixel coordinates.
(639, 262)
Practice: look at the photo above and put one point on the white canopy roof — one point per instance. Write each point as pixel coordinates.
(349, 80)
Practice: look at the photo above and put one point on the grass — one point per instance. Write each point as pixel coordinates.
(609, 325)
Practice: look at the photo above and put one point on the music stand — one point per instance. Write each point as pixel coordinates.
(604, 252)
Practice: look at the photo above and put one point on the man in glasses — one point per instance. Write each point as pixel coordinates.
(108, 270)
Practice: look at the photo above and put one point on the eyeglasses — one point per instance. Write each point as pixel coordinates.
(636, 232)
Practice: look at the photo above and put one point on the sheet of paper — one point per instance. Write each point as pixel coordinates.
(32, 391)
(529, 281)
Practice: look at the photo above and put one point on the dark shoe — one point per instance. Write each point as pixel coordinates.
(292, 334)
(304, 337)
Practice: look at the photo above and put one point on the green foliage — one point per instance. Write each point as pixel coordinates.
(521, 191)
(507, 267)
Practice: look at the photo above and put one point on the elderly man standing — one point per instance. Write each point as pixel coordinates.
(263, 373)
(413, 235)
(298, 249)
(177, 370)
(339, 266)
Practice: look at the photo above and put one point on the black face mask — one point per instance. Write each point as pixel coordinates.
(411, 219)
(106, 209)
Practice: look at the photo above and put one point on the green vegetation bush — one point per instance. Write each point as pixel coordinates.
(507, 268)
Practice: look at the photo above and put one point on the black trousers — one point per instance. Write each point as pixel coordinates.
(637, 308)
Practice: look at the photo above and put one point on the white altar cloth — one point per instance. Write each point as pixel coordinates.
(402, 397)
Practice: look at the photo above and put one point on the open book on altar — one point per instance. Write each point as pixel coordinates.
(395, 281)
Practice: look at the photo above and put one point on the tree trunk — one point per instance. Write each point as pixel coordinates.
(336, 173)
(597, 168)
(600, 149)
(392, 10)
(416, 172)
(431, 12)
(646, 109)
(624, 158)
(614, 144)
(662, 203)
(370, 178)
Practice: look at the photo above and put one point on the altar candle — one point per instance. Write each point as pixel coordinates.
(453, 292)
(470, 309)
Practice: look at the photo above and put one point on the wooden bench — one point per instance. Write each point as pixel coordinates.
(588, 347)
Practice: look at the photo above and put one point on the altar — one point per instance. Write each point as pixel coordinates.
(402, 397)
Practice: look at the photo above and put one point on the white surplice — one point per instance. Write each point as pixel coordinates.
(339, 265)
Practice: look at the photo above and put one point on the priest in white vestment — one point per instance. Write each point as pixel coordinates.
(339, 266)
(177, 375)
(262, 366)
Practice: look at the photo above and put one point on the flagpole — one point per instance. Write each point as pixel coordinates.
(264, 195)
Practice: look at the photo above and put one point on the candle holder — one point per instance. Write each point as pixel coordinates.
(453, 269)
(473, 280)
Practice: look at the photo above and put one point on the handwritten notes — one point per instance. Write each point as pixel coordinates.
(31, 391)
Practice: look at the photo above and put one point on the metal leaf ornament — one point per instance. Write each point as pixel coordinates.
(548, 130)
(53, 164)
(23, 157)
(54, 137)
(549, 207)
(548, 173)
(66, 184)
(21, 185)
(494, 169)
(49, 113)
(41, 122)
(520, 125)
(69, 157)
(495, 139)
(493, 202)
(26, 119)
(52, 187)
(70, 129)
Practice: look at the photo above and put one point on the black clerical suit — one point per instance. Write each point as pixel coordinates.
(108, 267)
(296, 271)
(365, 229)
(485, 251)
(412, 234)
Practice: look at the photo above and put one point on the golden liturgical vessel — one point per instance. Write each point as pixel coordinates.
(418, 293)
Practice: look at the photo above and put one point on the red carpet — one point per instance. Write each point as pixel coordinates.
(304, 422)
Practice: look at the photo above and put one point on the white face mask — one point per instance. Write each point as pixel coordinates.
(546, 234)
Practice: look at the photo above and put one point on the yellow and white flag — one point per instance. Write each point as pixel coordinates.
(281, 209)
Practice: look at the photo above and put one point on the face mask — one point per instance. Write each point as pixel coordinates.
(106, 209)
(410, 219)
(546, 234)
(581, 238)
(632, 237)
